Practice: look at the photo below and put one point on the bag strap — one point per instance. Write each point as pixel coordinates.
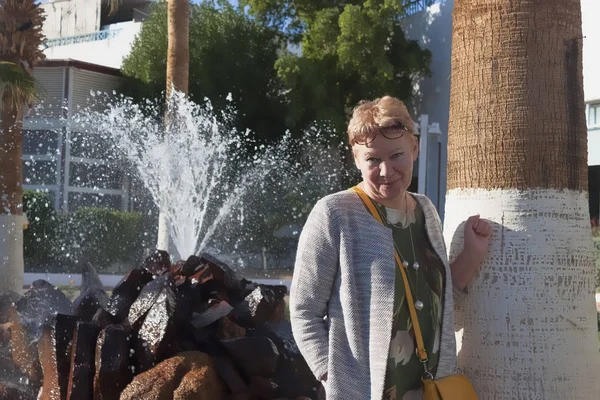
(421, 353)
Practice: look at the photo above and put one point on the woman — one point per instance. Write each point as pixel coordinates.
(348, 305)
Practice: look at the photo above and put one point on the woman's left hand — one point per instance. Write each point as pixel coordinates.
(477, 237)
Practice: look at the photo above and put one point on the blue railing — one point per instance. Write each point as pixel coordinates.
(415, 6)
(87, 37)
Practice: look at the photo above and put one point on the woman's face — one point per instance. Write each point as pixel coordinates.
(386, 165)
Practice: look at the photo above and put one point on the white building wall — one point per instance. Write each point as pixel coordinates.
(591, 46)
(591, 70)
(71, 17)
(85, 81)
(43, 125)
(109, 51)
(433, 29)
(51, 81)
(593, 147)
(50, 164)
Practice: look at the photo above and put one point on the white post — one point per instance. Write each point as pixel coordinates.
(67, 172)
(264, 256)
(67, 175)
(59, 161)
(125, 189)
(424, 125)
(163, 232)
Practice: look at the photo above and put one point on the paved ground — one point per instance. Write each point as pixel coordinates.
(111, 280)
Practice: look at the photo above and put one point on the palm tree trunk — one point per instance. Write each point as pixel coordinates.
(11, 196)
(178, 53)
(178, 66)
(517, 154)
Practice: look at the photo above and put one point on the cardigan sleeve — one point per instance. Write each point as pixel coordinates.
(315, 271)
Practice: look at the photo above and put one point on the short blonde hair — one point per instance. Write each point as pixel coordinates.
(381, 116)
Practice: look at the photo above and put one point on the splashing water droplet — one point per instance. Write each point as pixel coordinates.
(199, 171)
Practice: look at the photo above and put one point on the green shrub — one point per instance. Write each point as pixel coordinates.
(104, 236)
(57, 242)
(39, 239)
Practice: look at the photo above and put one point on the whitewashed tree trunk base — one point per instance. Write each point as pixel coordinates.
(11, 253)
(162, 242)
(528, 322)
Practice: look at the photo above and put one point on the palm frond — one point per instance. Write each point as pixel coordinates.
(19, 83)
(21, 35)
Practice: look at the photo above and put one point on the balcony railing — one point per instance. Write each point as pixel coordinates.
(87, 37)
(415, 6)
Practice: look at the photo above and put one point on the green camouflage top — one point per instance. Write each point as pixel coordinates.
(404, 370)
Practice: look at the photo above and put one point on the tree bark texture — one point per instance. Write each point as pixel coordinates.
(517, 115)
(517, 154)
(11, 150)
(178, 66)
(178, 57)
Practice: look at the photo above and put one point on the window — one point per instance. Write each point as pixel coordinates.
(40, 142)
(95, 175)
(39, 172)
(86, 145)
(593, 115)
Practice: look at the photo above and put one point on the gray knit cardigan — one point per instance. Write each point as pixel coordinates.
(342, 296)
